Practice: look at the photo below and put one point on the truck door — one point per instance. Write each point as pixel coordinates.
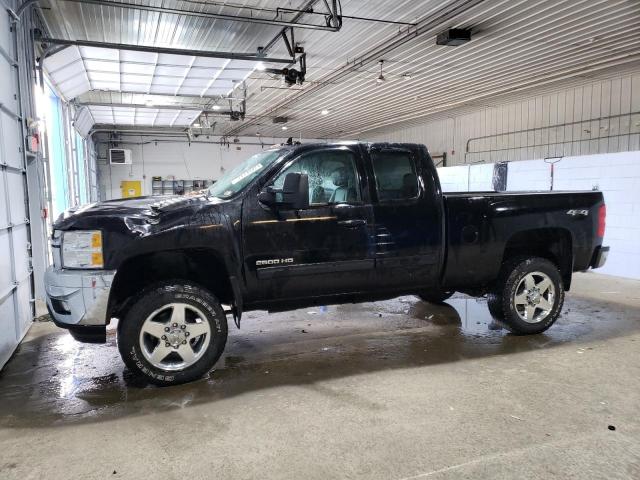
(323, 249)
(407, 216)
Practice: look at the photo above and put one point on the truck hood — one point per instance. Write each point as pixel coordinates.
(141, 208)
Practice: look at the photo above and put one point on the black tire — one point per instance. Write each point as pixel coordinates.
(503, 304)
(435, 296)
(153, 299)
(494, 302)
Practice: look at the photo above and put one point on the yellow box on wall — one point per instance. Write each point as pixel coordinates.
(131, 188)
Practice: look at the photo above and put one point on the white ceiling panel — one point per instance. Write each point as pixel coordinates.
(102, 66)
(104, 77)
(137, 68)
(62, 59)
(136, 77)
(138, 57)
(141, 116)
(190, 90)
(141, 72)
(216, 63)
(213, 91)
(178, 72)
(170, 59)
(162, 90)
(72, 74)
(196, 82)
(100, 53)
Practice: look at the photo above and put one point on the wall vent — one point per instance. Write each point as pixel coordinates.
(119, 156)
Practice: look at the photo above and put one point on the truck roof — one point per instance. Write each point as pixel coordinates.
(306, 146)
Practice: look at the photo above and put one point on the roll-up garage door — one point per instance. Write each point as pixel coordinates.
(15, 270)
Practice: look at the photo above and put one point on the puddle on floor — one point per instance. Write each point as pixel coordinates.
(54, 380)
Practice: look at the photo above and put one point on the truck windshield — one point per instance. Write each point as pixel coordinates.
(236, 179)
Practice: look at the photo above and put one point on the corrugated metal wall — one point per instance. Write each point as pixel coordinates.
(599, 117)
(16, 309)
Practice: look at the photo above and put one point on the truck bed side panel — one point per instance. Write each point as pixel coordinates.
(480, 225)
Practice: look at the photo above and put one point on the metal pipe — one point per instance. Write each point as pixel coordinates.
(172, 51)
(277, 37)
(185, 95)
(140, 105)
(535, 129)
(176, 11)
(538, 145)
(350, 17)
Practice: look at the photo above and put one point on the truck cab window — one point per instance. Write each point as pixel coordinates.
(332, 176)
(395, 173)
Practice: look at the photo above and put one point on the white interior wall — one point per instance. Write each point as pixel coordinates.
(587, 117)
(181, 160)
(617, 175)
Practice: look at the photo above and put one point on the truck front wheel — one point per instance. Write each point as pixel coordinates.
(529, 295)
(173, 333)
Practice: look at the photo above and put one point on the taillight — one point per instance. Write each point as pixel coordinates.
(602, 216)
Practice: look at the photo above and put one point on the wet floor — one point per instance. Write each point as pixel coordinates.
(400, 389)
(54, 379)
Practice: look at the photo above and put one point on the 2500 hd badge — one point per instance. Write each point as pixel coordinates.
(273, 261)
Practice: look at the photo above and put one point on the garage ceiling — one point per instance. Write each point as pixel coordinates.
(516, 45)
(142, 116)
(77, 70)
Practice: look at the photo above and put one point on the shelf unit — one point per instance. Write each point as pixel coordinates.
(161, 186)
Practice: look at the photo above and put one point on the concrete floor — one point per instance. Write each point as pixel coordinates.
(396, 390)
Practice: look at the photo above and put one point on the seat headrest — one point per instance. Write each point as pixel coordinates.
(339, 177)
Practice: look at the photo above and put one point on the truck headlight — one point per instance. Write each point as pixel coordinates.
(82, 249)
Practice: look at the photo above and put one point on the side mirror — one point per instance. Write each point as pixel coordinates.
(294, 193)
(267, 197)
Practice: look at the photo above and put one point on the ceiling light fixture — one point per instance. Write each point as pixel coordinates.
(260, 66)
(216, 107)
(380, 78)
(324, 112)
(285, 127)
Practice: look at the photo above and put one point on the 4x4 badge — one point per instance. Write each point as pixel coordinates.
(575, 213)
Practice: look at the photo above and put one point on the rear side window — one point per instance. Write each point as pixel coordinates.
(395, 173)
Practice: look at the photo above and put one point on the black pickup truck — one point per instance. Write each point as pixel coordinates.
(304, 225)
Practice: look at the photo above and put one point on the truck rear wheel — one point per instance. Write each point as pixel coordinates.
(173, 333)
(529, 295)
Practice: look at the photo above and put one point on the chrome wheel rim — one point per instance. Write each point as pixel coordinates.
(534, 297)
(175, 336)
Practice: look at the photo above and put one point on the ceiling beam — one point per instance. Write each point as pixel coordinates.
(172, 51)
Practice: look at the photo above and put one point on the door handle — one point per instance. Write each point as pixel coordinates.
(358, 222)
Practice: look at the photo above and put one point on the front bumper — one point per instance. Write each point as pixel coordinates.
(77, 300)
(599, 257)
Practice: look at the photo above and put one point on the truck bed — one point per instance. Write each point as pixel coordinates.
(480, 226)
